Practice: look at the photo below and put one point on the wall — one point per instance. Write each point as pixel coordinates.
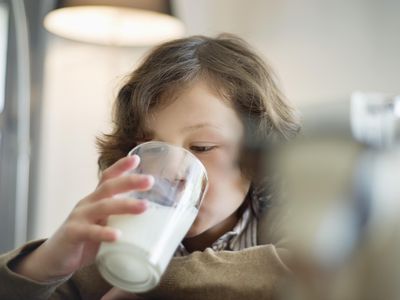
(79, 86)
(322, 50)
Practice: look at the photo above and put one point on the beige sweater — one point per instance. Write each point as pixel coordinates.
(252, 273)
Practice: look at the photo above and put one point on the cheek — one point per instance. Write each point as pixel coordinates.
(225, 185)
(227, 188)
(222, 171)
(219, 171)
(220, 162)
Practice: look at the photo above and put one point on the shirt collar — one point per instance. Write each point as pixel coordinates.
(225, 241)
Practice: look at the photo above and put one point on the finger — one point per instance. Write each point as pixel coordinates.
(97, 233)
(111, 187)
(121, 166)
(111, 206)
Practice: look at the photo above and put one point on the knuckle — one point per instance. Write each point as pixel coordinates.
(113, 206)
(131, 180)
(125, 204)
(105, 175)
(95, 230)
(103, 205)
(81, 203)
(71, 230)
(106, 188)
(76, 213)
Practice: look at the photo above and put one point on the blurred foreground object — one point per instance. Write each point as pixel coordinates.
(115, 22)
(375, 119)
(340, 206)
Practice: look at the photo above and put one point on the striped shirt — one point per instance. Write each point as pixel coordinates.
(242, 236)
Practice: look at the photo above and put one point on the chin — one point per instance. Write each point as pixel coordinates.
(197, 228)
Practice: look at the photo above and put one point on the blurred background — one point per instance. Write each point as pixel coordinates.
(56, 91)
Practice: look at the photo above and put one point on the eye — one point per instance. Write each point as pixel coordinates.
(202, 148)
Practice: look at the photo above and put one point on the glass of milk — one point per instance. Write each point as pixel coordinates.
(136, 261)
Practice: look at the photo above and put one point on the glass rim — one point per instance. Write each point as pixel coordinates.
(176, 147)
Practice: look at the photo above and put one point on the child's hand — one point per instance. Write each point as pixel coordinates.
(76, 243)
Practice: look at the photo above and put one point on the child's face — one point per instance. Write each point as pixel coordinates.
(200, 121)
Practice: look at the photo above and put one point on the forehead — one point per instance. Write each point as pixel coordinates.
(197, 107)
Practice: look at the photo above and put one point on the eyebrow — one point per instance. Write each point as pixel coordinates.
(149, 134)
(199, 126)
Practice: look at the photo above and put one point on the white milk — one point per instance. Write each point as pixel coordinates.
(158, 231)
(137, 260)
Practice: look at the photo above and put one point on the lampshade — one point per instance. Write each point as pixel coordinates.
(115, 22)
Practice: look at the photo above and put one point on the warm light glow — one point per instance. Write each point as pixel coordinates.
(115, 26)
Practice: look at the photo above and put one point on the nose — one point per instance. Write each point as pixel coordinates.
(174, 168)
(160, 159)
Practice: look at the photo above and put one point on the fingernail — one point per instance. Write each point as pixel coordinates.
(150, 178)
(144, 203)
(118, 234)
(133, 158)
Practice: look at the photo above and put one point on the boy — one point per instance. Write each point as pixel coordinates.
(218, 99)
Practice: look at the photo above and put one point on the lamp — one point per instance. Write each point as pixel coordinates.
(115, 22)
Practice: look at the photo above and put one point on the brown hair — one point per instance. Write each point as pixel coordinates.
(230, 65)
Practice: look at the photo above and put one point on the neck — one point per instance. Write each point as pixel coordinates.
(208, 237)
